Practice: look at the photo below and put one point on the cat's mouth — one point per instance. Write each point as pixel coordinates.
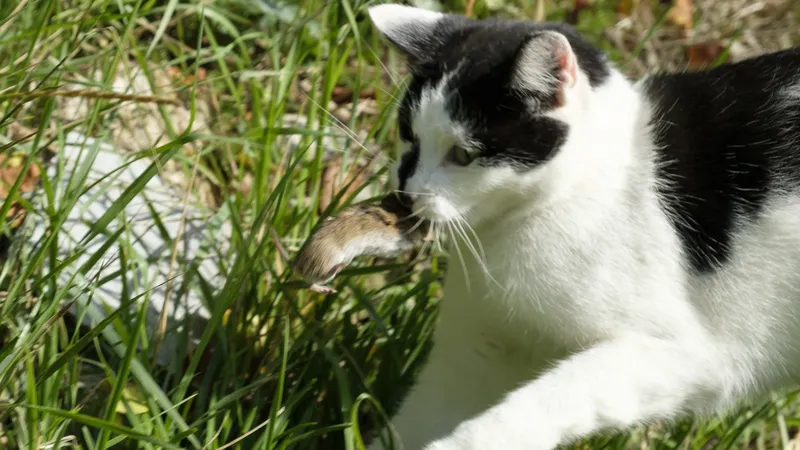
(428, 207)
(435, 209)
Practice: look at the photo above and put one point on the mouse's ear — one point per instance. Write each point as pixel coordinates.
(412, 30)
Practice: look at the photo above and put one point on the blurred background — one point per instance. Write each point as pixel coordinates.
(150, 150)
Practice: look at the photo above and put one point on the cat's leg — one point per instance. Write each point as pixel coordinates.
(460, 379)
(615, 384)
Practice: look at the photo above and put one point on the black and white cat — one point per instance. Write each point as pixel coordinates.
(641, 241)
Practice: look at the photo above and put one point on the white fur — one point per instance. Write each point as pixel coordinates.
(598, 323)
(403, 24)
(389, 16)
(378, 244)
(538, 52)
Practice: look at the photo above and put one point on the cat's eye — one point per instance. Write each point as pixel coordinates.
(459, 155)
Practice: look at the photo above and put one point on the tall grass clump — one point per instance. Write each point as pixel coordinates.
(263, 117)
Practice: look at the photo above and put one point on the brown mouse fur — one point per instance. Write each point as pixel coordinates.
(378, 230)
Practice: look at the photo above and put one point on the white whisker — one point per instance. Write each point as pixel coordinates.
(427, 244)
(416, 213)
(457, 226)
(349, 132)
(479, 254)
(419, 222)
(460, 255)
(437, 237)
(388, 72)
(395, 100)
(414, 193)
(466, 224)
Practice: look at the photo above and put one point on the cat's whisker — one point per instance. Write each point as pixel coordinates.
(352, 134)
(454, 244)
(421, 255)
(395, 100)
(415, 193)
(349, 132)
(416, 213)
(442, 237)
(479, 254)
(470, 246)
(416, 225)
(388, 72)
(474, 234)
(459, 226)
(419, 222)
(437, 236)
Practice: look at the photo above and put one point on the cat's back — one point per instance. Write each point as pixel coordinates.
(727, 145)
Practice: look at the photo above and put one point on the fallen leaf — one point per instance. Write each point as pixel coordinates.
(470, 7)
(342, 94)
(134, 399)
(246, 185)
(331, 184)
(681, 14)
(10, 170)
(703, 54)
(15, 216)
(540, 15)
(577, 7)
(626, 7)
(186, 78)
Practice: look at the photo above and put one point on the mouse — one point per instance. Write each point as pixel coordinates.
(386, 230)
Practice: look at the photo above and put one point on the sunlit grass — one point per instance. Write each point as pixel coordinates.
(276, 366)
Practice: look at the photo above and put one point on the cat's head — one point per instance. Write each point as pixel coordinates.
(488, 106)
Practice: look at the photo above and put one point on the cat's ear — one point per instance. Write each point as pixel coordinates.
(410, 29)
(545, 61)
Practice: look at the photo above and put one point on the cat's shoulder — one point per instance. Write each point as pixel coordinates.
(726, 140)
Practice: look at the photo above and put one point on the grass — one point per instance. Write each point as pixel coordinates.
(267, 99)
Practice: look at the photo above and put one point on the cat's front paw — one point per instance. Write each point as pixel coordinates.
(495, 431)
(470, 435)
(448, 444)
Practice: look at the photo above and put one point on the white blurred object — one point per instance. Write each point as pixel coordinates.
(203, 242)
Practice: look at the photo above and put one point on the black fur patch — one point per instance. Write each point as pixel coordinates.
(411, 97)
(727, 139)
(408, 164)
(488, 44)
(409, 159)
(479, 57)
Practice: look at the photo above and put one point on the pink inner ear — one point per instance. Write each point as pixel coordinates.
(569, 67)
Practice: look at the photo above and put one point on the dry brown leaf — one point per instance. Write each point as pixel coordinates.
(341, 94)
(186, 78)
(470, 7)
(703, 54)
(331, 185)
(681, 14)
(246, 185)
(15, 216)
(626, 7)
(10, 170)
(577, 7)
(540, 14)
